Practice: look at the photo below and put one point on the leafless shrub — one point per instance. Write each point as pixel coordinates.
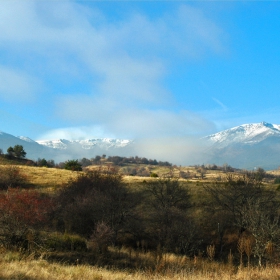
(248, 247)
(211, 252)
(241, 248)
(262, 220)
(270, 247)
(230, 259)
(101, 237)
(11, 177)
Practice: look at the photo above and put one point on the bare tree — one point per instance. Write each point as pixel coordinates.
(262, 221)
(249, 206)
(236, 192)
(169, 223)
(92, 198)
(202, 172)
(101, 237)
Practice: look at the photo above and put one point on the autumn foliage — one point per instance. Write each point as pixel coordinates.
(20, 212)
(27, 206)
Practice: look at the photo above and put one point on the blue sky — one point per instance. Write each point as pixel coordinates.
(137, 69)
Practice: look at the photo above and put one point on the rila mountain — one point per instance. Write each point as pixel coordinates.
(145, 218)
(62, 149)
(246, 146)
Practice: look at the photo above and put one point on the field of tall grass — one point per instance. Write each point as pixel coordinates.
(126, 263)
(168, 266)
(47, 178)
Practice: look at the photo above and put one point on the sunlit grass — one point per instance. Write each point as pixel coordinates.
(47, 178)
(51, 178)
(167, 266)
(129, 264)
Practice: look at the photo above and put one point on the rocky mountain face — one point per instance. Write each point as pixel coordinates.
(245, 146)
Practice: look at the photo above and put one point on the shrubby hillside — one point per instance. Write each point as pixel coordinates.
(91, 216)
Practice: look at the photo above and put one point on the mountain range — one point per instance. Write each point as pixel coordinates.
(245, 146)
(62, 149)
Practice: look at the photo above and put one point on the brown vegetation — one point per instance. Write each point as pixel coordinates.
(168, 266)
(165, 227)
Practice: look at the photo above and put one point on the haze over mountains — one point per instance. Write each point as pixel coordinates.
(245, 146)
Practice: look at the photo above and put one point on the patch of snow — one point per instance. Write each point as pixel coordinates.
(85, 144)
(27, 139)
(246, 133)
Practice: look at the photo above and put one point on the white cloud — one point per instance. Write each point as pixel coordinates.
(16, 86)
(121, 67)
(131, 122)
(123, 63)
(128, 97)
(222, 105)
(199, 33)
(160, 123)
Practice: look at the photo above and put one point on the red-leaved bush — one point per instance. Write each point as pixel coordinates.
(20, 211)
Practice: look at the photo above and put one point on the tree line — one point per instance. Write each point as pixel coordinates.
(18, 152)
(122, 161)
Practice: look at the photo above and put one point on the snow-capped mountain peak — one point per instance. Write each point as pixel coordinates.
(87, 144)
(246, 133)
(246, 146)
(55, 144)
(63, 149)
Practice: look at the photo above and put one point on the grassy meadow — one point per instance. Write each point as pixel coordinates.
(47, 179)
(137, 260)
(169, 266)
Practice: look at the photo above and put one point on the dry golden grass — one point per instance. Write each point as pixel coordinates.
(274, 172)
(165, 171)
(138, 179)
(51, 178)
(169, 266)
(47, 178)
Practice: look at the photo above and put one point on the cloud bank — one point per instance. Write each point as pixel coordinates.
(128, 62)
(101, 77)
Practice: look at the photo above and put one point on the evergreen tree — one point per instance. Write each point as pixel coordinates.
(73, 165)
(19, 151)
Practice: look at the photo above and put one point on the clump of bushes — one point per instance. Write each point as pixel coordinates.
(277, 180)
(64, 242)
(11, 177)
(73, 165)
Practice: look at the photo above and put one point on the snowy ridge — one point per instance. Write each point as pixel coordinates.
(245, 146)
(55, 144)
(246, 134)
(62, 149)
(27, 139)
(87, 144)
